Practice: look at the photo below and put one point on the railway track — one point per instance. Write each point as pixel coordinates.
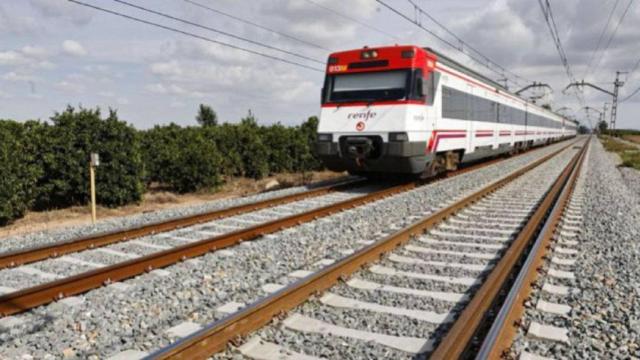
(107, 258)
(94, 268)
(38, 253)
(455, 263)
(527, 325)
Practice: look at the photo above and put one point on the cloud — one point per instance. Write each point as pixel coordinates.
(63, 10)
(17, 24)
(5, 95)
(315, 23)
(12, 57)
(15, 77)
(171, 68)
(34, 51)
(73, 48)
(68, 86)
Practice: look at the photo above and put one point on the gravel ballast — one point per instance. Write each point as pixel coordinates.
(137, 317)
(536, 184)
(604, 321)
(12, 243)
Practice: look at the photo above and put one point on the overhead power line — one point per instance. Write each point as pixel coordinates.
(613, 35)
(547, 13)
(359, 22)
(631, 95)
(183, 32)
(462, 44)
(604, 30)
(218, 31)
(449, 43)
(635, 67)
(244, 21)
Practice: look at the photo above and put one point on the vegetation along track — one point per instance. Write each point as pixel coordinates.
(488, 231)
(40, 294)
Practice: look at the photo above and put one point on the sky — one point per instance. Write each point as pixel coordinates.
(54, 53)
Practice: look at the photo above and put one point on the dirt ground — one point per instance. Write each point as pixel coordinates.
(156, 200)
(634, 138)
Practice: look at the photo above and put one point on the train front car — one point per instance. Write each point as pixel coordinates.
(375, 114)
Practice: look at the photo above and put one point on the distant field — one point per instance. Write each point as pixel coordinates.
(629, 154)
(634, 138)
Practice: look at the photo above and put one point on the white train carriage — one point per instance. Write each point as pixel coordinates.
(405, 109)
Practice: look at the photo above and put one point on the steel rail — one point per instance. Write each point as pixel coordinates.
(498, 340)
(462, 333)
(43, 252)
(29, 298)
(216, 336)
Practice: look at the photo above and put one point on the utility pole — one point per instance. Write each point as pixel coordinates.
(617, 84)
(93, 163)
(614, 105)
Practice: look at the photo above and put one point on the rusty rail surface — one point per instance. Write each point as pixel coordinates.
(504, 329)
(42, 252)
(38, 253)
(461, 334)
(29, 298)
(215, 337)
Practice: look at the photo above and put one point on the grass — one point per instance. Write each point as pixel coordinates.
(629, 154)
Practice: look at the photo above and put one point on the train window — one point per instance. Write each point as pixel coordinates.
(420, 86)
(454, 104)
(370, 86)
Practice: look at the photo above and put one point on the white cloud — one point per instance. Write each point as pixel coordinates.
(12, 57)
(34, 51)
(5, 95)
(13, 76)
(107, 94)
(166, 68)
(63, 10)
(73, 48)
(70, 86)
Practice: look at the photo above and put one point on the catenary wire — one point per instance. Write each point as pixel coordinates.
(344, 16)
(218, 31)
(183, 32)
(462, 42)
(600, 38)
(613, 35)
(631, 95)
(448, 43)
(244, 21)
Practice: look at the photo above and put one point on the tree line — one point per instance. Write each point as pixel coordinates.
(44, 165)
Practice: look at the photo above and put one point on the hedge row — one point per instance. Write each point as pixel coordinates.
(45, 165)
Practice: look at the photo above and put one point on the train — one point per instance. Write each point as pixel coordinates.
(406, 109)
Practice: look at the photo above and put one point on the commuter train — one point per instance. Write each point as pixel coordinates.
(411, 110)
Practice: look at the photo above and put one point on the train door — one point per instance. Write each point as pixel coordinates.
(526, 126)
(470, 126)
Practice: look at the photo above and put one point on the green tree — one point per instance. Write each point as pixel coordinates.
(602, 127)
(206, 116)
(63, 153)
(185, 159)
(18, 171)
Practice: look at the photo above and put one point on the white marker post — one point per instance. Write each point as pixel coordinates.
(95, 162)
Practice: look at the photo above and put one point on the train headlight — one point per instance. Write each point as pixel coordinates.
(325, 137)
(369, 54)
(398, 136)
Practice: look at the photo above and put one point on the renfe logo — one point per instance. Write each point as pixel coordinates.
(362, 116)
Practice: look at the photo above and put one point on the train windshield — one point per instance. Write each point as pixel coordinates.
(373, 86)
